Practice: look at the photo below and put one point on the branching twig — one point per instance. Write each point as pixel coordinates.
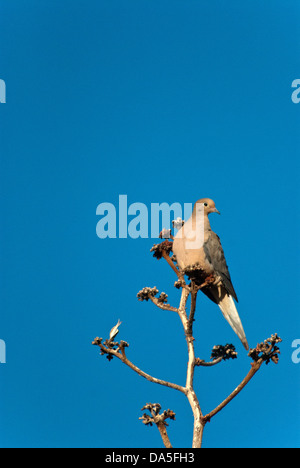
(149, 293)
(219, 353)
(159, 420)
(264, 352)
(120, 354)
(162, 305)
(190, 392)
(163, 250)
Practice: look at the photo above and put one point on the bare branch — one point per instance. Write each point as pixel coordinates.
(190, 392)
(122, 356)
(219, 353)
(193, 309)
(163, 250)
(264, 352)
(162, 305)
(201, 362)
(149, 293)
(168, 259)
(255, 367)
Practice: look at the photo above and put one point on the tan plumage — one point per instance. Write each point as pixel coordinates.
(196, 244)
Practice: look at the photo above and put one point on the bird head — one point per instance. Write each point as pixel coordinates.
(207, 204)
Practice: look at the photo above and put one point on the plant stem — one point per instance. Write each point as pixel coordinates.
(190, 392)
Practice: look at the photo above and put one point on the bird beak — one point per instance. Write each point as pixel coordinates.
(216, 211)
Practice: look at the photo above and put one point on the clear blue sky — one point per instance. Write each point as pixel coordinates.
(163, 101)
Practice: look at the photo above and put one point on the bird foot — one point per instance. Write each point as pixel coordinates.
(208, 282)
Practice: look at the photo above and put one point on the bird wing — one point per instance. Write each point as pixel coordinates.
(215, 255)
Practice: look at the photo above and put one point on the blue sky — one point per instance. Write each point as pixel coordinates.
(164, 101)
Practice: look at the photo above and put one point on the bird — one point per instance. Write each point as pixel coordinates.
(199, 254)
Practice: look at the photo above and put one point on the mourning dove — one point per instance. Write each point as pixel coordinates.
(199, 253)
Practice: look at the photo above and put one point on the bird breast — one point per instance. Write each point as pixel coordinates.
(188, 247)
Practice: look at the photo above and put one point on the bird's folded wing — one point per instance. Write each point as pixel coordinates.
(215, 255)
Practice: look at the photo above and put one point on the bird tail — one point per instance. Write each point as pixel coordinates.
(230, 312)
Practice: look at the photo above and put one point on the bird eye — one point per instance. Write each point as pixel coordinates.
(205, 204)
